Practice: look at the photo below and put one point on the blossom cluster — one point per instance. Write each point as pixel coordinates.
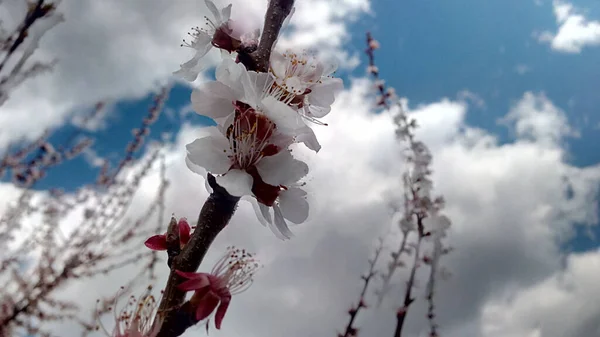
(259, 116)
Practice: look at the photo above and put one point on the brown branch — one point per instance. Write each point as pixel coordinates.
(277, 11)
(353, 312)
(214, 216)
(408, 299)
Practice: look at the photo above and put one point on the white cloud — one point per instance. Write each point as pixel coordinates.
(116, 49)
(509, 205)
(561, 305)
(536, 117)
(575, 31)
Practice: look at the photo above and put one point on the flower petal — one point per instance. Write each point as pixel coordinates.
(281, 230)
(323, 94)
(210, 152)
(157, 242)
(191, 275)
(193, 284)
(213, 9)
(285, 118)
(229, 73)
(257, 209)
(222, 310)
(206, 305)
(184, 231)
(329, 67)
(190, 69)
(307, 136)
(195, 168)
(293, 204)
(265, 213)
(226, 13)
(278, 64)
(214, 100)
(260, 82)
(281, 169)
(237, 182)
(253, 85)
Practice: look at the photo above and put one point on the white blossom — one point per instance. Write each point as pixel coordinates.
(220, 32)
(236, 88)
(304, 83)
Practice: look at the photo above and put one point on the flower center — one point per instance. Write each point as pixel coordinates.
(223, 39)
(249, 137)
(236, 269)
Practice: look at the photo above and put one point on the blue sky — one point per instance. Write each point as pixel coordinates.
(430, 50)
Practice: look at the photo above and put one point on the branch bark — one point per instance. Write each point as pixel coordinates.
(277, 11)
(220, 205)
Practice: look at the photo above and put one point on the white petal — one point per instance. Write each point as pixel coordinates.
(278, 64)
(281, 169)
(237, 183)
(210, 152)
(281, 230)
(189, 74)
(195, 168)
(252, 94)
(202, 42)
(214, 100)
(307, 136)
(260, 82)
(265, 212)
(323, 94)
(226, 13)
(229, 73)
(285, 118)
(213, 9)
(295, 85)
(317, 111)
(329, 67)
(258, 210)
(293, 204)
(190, 69)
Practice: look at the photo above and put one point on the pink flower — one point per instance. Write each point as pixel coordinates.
(231, 275)
(159, 242)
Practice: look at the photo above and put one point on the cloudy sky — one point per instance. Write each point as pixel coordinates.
(506, 93)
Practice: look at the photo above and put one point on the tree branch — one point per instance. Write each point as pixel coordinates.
(214, 216)
(277, 11)
(353, 312)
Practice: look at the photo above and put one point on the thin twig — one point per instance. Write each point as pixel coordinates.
(353, 312)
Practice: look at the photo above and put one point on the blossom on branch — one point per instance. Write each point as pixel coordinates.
(248, 149)
(231, 275)
(159, 242)
(259, 115)
(304, 83)
(220, 32)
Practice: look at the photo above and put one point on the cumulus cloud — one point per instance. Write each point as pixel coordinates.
(575, 31)
(511, 206)
(535, 116)
(115, 49)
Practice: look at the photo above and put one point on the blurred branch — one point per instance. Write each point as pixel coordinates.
(350, 330)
